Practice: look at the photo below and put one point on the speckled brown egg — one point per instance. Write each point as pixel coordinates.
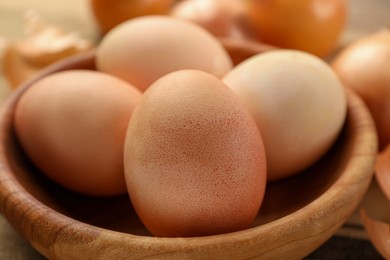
(194, 158)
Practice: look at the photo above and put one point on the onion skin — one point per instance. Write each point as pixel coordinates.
(364, 66)
(110, 13)
(219, 17)
(15, 68)
(378, 233)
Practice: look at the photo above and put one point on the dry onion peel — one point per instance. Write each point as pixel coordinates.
(379, 233)
(382, 173)
(45, 44)
(222, 18)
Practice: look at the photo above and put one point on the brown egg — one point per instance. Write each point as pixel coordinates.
(144, 49)
(194, 158)
(72, 126)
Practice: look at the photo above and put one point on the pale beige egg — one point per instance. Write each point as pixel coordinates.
(72, 126)
(194, 158)
(298, 103)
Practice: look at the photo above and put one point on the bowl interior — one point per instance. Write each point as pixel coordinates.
(116, 213)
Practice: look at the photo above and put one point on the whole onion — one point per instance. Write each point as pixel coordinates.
(222, 18)
(364, 65)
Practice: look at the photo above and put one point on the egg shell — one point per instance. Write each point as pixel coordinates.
(72, 126)
(194, 158)
(143, 49)
(298, 103)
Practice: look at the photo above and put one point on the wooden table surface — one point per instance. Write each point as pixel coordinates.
(365, 16)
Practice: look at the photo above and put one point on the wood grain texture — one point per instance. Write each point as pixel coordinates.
(298, 214)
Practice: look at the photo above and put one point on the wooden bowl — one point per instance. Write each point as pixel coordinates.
(240, 49)
(297, 216)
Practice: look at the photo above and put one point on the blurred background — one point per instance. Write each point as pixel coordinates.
(364, 17)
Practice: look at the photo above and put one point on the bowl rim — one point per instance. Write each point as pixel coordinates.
(359, 167)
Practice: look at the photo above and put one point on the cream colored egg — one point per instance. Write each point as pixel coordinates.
(144, 49)
(298, 103)
(72, 126)
(194, 158)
